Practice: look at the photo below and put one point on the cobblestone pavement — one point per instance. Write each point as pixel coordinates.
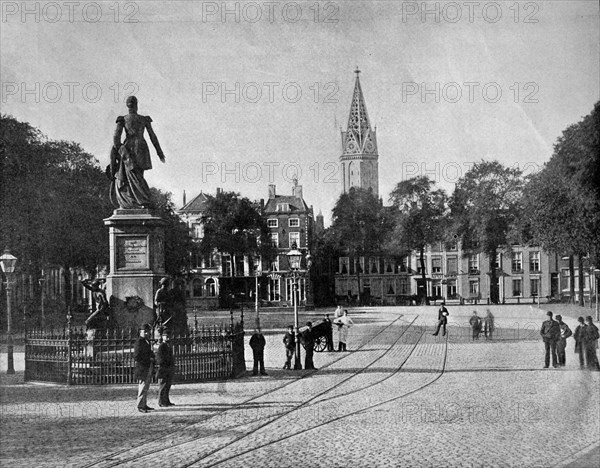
(400, 397)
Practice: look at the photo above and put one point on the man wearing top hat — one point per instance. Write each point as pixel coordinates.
(144, 367)
(166, 368)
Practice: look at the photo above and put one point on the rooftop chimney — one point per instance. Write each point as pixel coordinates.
(297, 191)
(271, 191)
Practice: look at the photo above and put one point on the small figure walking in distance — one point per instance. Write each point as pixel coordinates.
(442, 319)
(290, 345)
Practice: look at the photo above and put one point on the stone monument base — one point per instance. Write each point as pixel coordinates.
(136, 265)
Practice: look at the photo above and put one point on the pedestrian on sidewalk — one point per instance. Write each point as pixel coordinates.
(442, 319)
(338, 312)
(343, 323)
(475, 323)
(579, 345)
(590, 341)
(488, 324)
(144, 367)
(258, 343)
(290, 347)
(561, 344)
(166, 369)
(328, 333)
(550, 332)
(308, 341)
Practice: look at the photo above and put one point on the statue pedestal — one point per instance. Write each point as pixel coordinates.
(137, 263)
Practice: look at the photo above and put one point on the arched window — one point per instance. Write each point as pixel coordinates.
(211, 287)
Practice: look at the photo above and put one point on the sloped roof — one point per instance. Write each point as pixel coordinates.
(196, 205)
(296, 204)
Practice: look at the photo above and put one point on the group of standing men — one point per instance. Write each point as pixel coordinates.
(145, 360)
(555, 333)
(170, 315)
(486, 325)
(307, 337)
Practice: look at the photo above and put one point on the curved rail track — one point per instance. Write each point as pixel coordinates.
(114, 458)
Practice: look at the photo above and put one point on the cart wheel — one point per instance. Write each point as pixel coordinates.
(320, 344)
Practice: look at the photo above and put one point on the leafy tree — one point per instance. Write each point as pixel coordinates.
(360, 225)
(54, 197)
(483, 210)
(234, 225)
(178, 242)
(561, 206)
(419, 215)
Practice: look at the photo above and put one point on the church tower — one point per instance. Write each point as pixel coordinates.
(359, 159)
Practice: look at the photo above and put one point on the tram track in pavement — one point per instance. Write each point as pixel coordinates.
(334, 419)
(307, 404)
(113, 459)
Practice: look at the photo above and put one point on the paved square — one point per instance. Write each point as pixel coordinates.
(398, 397)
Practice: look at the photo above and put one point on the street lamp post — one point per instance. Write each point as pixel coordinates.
(8, 262)
(42, 280)
(294, 258)
(257, 286)
(597, 277)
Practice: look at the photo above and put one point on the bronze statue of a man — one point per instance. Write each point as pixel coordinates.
(129, 159)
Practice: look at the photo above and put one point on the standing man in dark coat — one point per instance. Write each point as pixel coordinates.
(561, 344)
(290, 346)
(328, 333)
(488, 324)
(308, 341)
(166, 369)
(579, 345)
(442, 319)
(258, 343)
(590, 344)
(550, 334)
(475, 323)
(144, 367)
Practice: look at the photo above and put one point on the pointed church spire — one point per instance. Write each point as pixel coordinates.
(359, 157)
(359, 128)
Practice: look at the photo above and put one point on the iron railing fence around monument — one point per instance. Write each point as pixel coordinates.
(105, 357)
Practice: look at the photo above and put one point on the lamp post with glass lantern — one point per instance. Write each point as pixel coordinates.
(8, 263)
(258, 274)
(294, 259)
(41, 281)
(597, 277)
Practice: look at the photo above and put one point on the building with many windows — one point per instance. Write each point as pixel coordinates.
(522, 274)
(212, 281)
(202, 287)
(291, 222)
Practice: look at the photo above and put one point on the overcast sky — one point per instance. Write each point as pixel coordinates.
(243, 94)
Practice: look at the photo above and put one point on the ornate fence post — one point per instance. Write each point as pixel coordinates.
(69, 346)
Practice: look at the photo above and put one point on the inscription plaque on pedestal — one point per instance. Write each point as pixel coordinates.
(132, 253)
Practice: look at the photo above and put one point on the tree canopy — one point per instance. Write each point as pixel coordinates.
(234, 225)
(178, 242)
(54, 197)
(561, 207)
(484, 209)
(360, 225)
(419, 219)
